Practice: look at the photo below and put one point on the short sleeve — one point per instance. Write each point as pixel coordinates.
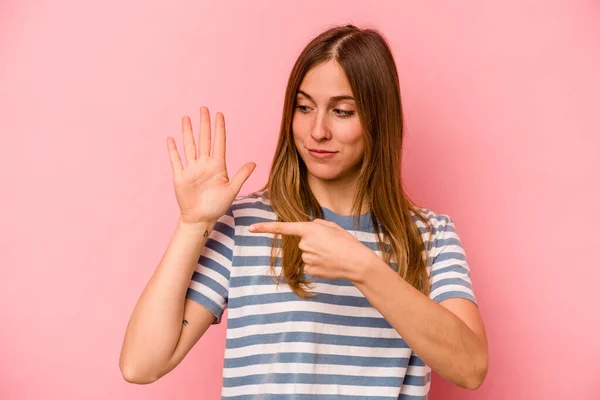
(450, 272)
(209, 285)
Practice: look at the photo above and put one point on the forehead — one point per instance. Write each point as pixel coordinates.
(326, 80)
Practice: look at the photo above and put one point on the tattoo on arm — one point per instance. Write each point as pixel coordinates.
(206, 233)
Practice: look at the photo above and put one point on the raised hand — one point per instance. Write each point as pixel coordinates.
(203, 189)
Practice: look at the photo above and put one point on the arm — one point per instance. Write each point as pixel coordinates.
(448, 336)
(156, 339)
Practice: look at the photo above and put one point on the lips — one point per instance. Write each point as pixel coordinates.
(322, 155)
(321, 151)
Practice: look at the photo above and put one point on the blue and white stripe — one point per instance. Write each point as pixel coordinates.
(335, 345)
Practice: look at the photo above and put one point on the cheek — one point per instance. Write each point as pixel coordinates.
(349, 132)
(357, 153)
(299, 127)
(352, 139)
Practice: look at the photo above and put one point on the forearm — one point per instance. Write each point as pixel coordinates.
(440, 338)
(156, 322)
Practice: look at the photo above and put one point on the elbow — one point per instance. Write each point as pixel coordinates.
(477, 375)
(133, 375)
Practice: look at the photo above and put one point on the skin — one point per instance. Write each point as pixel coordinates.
(334, 125)
(448, 336)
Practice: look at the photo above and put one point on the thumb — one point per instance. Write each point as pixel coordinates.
(242, 175)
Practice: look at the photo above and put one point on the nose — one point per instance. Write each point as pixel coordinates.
(320, 130)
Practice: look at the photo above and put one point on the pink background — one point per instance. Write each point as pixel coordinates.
(502, 114)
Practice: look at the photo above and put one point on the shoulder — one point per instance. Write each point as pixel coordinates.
(437, 221)
(436, 230)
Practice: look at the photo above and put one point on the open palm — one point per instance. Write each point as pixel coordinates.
(203, 189)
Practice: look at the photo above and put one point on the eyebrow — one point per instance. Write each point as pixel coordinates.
(331, 99)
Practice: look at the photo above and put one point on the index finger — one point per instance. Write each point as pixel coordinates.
(285, 228)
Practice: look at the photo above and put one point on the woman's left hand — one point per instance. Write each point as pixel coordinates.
(328, 250)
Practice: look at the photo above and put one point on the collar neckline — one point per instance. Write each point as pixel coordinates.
(347, 221)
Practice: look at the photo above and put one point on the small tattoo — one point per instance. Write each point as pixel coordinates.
(206, 233)
(185, 322)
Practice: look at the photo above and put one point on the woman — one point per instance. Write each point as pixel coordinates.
(374, 291)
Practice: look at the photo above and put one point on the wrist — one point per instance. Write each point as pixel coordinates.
(369, 265)
(200, 226)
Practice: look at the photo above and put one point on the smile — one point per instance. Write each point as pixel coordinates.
(321, 155)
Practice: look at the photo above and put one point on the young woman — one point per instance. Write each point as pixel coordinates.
(338, 286)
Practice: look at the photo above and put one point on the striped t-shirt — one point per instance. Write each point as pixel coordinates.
(331, 346)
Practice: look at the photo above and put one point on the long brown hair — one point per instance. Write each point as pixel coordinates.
(368, 63)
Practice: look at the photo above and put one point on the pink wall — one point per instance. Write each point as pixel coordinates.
(501, 105)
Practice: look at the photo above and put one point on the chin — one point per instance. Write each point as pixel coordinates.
(324, 174)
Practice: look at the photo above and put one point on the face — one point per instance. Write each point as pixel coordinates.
(325, 118)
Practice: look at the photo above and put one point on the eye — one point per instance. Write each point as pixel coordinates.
(343, 113)
(339, 112)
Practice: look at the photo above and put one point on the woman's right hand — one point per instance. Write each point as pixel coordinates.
(203, 189)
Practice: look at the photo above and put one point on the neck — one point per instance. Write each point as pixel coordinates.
(336, 195)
